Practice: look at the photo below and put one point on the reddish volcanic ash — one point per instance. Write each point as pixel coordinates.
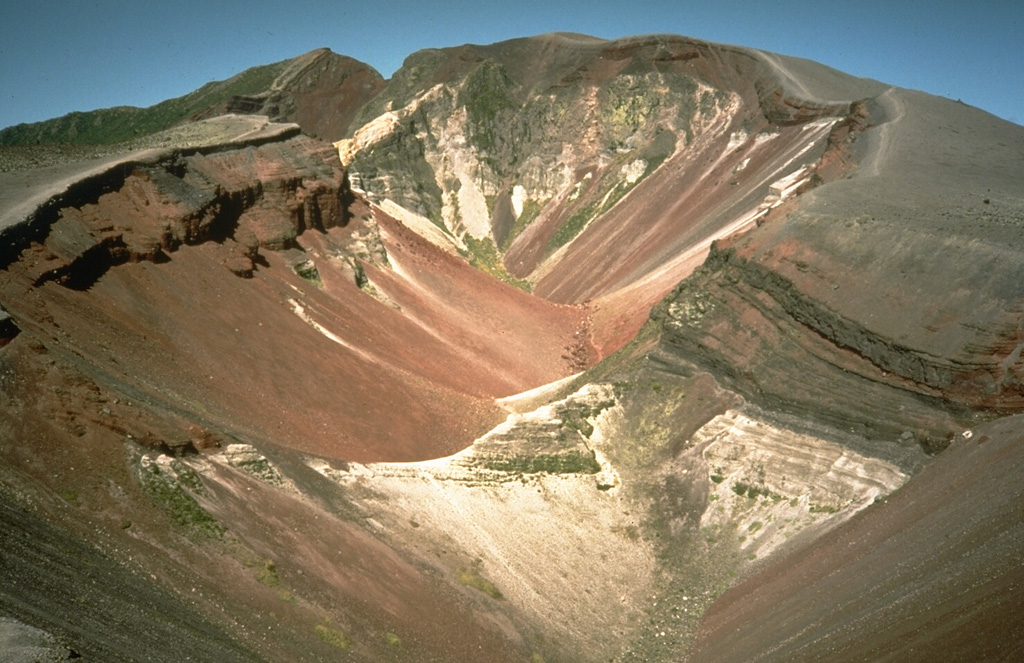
(318, 365)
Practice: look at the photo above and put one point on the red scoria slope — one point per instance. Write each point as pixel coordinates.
(175, 302)
(141, 280)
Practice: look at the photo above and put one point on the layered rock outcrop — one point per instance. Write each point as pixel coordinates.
(259, 197)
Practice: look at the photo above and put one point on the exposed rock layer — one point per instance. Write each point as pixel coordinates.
(933, 573)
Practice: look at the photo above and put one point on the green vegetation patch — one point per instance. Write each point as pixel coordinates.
(172, 491)
(576, 415)
(626, 104)
(333, 636)
(579, 220)
(575, 461)
(472, 578)
(122, 123)
(487, 96)
(573, 226)
(753, 492)
(484, 255)
(531, 210)
(266, 574)
(308, 271)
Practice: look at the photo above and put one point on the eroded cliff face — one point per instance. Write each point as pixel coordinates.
(260, 197)
(751, 327)
(593, 171)
(889, 303)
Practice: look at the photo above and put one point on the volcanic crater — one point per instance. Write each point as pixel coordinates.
(557, 349)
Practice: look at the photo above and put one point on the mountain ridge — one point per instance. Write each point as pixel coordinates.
(280, 90)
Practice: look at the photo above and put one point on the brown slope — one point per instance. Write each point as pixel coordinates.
(934, 573)
(71, 450)
(95, 607)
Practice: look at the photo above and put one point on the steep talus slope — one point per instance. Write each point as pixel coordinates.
(270, 374)
(75, 591)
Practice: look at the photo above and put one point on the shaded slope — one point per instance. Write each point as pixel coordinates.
(68, 589)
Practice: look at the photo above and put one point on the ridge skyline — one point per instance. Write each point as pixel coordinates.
(109, 55)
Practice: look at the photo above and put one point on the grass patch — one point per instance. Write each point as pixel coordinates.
(573, 226)
(570, 462)
(484, 255)
(333, 637)
(531, 210)
(267, 574)
(579, 220)
(122, 123)
(753, 492)
(393, 640)
(308, 271)
(170, 491)
(472, 578)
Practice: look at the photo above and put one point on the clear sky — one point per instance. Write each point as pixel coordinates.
(65, 55)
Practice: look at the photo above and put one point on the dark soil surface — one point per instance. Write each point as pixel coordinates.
(92, 606)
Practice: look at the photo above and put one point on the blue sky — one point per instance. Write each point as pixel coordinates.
(60, 56)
